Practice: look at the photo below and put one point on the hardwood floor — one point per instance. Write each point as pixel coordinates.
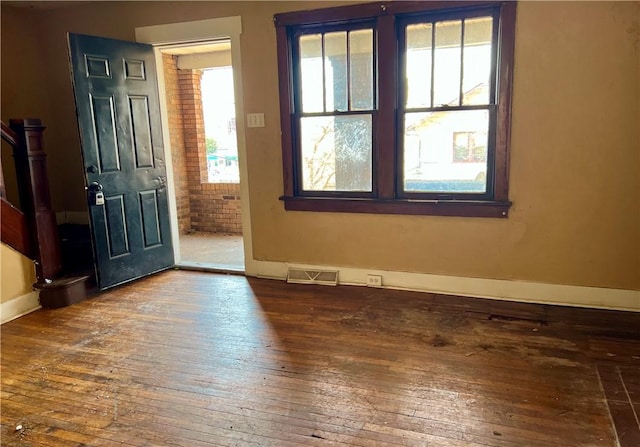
(196, 359)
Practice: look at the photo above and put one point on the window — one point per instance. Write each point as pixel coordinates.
(399, 107)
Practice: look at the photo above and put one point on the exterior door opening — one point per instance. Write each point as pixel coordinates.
(201, 115)
(123, 118)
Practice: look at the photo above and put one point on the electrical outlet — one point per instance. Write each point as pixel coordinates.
(374, 281)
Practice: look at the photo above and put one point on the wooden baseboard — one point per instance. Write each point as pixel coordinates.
(17, 307)
(509, 290)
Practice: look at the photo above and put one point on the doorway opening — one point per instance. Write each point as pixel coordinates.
(201, 115)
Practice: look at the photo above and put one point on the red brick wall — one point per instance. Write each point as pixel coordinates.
(193, 127)
(202, 206)
(220, 211)
(178, 156)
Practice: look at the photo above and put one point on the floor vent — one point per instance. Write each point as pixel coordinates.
(301, 276)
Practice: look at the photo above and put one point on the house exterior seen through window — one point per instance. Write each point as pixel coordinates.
(448, 66)
(397, 107)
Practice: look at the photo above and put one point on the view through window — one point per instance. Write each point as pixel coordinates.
(447, 66)
(337, 87)
(218, 107)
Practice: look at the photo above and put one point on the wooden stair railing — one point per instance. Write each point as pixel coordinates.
(9, 137)
(14, 228)
(38, 221)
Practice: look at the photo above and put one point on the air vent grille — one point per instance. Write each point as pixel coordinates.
(302, 276)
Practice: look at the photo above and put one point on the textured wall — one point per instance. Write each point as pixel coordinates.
(574, 165)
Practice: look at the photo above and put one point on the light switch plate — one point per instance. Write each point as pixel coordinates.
(255, 119)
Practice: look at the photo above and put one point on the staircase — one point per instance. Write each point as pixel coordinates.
(64, 271)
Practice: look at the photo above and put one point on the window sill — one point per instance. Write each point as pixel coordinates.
(460, 208)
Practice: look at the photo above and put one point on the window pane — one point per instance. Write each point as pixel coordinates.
(335, 69)
(477, 60)
(336, 153)
(418, 65)
(311, 72)
(446, 152)
(361, 60)
(446, 74)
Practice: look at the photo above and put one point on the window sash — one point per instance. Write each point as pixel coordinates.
(300, 164)
(489, 192)
(299, 113)
(433, 19)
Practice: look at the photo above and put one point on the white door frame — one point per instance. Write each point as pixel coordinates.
(200, 31)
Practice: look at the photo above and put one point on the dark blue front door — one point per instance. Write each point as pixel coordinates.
(118, 112)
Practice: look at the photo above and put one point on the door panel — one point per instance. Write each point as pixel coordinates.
(118, 111)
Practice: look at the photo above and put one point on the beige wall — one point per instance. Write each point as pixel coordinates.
(24, 94)
(17, 274)
(26, 91)
(575, 157)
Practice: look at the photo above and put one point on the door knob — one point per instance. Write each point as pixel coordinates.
(96, 196)
(95, 187)
(92, 169)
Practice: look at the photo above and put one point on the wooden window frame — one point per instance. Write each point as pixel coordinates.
(385, 198)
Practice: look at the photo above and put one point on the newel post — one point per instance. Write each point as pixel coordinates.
(35, 198)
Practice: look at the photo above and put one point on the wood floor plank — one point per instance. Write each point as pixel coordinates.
(194, 359)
